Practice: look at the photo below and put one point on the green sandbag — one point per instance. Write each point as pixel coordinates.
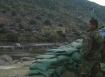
(70, 61)
(43, 64)
(45, 57)
(76, 57)
(69, 45)
(76, 45)
(80, 50)
(66, 46)
(60, 70)
(77, 70)
(48, 62)
(36, 76)
(64, 63)
(70, 51)
(50, 73)
(51, 53)
(66, 51)
(61, 47)
(38, 66)
(71, 67)
(56, 51)
(79, 40)
(62, 58)
(37, 73)
(102, 65)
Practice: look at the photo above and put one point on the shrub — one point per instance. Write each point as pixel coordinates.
(12, 37)
(13, 13)
(47, 22)
(38, 17)
(18, 20)
(32, 22)
(61, 25)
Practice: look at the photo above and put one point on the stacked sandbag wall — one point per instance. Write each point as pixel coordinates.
(55, 61)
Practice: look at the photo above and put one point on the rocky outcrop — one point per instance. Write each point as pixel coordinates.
(27, 59)
(2, 62)
(15, 61)
(5, 59)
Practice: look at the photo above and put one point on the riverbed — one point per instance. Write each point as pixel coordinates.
(15, 70)
(18, 53)
(19, 69)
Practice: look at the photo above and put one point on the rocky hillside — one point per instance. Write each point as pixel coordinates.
(23, 16)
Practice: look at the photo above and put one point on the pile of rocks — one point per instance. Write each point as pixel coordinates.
(8, 60)
(23, 59)
(5, 60)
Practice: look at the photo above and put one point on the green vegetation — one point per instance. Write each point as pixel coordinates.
(12, 37)
(38, 17)
(25, 16)
(61, 25)
(47, 22)
(32, 22)
(13, 13)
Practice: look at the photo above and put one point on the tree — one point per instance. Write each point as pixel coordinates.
(2, 37)
(1, 25)
(18, 20)
(61, 25)
(12, 37)
(47, 22)
(3, 11)
(32, 22)
(3, 30)
(62, 36)
(32, 39)
(60, 33)
(13, 13)
(38, 17)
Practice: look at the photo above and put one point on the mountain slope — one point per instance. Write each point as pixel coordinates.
(33, 14)
(57, 11)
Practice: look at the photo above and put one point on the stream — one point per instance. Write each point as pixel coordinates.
(18, 53)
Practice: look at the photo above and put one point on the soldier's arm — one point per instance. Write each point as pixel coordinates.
(87, 44)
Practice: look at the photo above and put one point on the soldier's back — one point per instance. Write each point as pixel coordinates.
(97, 41)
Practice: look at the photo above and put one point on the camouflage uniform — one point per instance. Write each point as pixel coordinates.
(103, 52)
(90, 60)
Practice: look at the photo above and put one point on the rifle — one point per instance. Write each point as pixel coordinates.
(92, 13)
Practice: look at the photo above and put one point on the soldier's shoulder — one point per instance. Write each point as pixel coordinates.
(95, 32)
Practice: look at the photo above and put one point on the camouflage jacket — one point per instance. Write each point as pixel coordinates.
(91, 45)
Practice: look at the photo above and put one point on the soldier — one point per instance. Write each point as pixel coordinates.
(103, 52)
(90, 57)
(102, 30)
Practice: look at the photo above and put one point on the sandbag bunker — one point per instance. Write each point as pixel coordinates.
(55, 61)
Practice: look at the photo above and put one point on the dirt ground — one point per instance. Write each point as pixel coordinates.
(18, 70)
(21, 69)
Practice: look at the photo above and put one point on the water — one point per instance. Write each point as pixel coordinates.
(18, 53)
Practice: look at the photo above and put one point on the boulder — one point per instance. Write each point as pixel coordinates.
(27, 59)
(6, 58)
(2, 62)
(15, 61)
